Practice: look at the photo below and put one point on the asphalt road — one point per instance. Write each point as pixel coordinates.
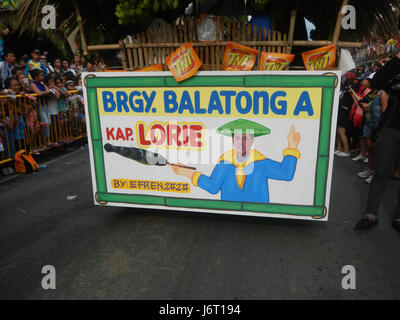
(119, 253)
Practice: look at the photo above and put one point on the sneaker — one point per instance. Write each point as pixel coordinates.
(359, 158)
(366, 160)
(369, 179)
(337, 152)
(365, 224)
(343, 155)
(365, 174)
(396, 225)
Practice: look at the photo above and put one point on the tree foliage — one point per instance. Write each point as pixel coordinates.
(137, 11)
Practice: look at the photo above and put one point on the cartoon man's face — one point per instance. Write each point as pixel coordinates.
(243, 143)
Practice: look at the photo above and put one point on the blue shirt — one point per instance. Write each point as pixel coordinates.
(258, 172)
(19, 129)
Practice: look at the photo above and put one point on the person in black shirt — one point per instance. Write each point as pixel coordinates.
(387, 145)
(345, 103)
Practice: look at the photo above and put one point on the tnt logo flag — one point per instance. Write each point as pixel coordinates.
(321, 58)
(271, 61)
(155, 67)
(238, 57)
(184, 62)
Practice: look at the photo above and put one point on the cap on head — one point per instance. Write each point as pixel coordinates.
(242, 126)
(36, 51)
(363, 77)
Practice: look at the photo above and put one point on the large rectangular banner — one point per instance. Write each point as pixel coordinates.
(246, 143)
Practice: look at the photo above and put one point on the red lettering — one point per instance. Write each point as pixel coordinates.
(173, 134)
(195, 134)
(162, 134)
(110, 133)
(185, 135)
(120, 135)
(128, 133)
(142, 135)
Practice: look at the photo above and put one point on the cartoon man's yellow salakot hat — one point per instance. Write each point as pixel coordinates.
(242, 126)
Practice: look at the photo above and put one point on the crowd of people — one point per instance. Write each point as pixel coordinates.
(41, 103)
(368, 126)
(359, 116)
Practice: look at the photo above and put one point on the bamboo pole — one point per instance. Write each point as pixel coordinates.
(104, 47)
(81, 30)
(293, 14)
(298, 43)
(338, 27)
(123, 54)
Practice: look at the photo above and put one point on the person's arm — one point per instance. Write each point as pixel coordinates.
(384, 98)
(46, 71)
(354, 95)
(36, 90)
(27, 69)
(57, 93)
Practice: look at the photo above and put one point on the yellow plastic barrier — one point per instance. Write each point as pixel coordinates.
(39, 123)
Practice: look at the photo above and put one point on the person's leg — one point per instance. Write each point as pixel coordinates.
(371, 155)
(363, 147)
(339, 146)
(387, 149)
(343, 139)
(396, 174)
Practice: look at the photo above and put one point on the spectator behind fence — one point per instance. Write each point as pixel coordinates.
(56, 68)
(16, 113)
(66, 68)
(53, 103)
(75, 101)
(6, 130)
(62, 106)
(35, 63)
(76, 65)
(23, 82)
(5, 67)
(38, 87)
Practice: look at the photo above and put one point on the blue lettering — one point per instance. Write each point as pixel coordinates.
(170, 99)
(283, 104)
(265, 101)
(149, 100)
(228, 95)
(186, 103)
(108, 101)
(197, 107)
(304, 105)
(122, 99)
(249, 105)
(137, 105)
(215, 103)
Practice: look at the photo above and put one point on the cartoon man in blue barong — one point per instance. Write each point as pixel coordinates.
(242, 174)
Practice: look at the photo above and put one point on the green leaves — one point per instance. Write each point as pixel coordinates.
(135, 11)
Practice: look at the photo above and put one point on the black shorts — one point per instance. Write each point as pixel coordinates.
(343, 118)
